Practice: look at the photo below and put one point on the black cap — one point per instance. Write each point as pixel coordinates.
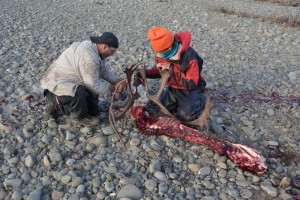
(106, 38)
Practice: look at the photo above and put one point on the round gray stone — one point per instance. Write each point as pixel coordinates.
(150, 184)
(130, 191)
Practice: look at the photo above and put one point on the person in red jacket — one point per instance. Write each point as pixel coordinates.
(184, 96)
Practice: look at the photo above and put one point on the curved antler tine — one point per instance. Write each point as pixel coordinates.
(202, 119)
(143, 72)
(126, 104)
(155, 98)
(129, 71)
(112, 120)
(144, 80)
(165, 74)
(135, 65)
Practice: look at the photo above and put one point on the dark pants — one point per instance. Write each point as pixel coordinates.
(185, 105)
(83, 104)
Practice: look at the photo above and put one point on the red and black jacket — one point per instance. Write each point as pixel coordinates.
(185, 70)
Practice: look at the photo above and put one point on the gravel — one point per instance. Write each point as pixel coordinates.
(251, 67)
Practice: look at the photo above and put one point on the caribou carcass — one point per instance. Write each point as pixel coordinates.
(243, 156)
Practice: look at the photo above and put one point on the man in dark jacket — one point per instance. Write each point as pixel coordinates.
(185, 95)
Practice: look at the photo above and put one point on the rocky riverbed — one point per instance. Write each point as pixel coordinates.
(251, 67)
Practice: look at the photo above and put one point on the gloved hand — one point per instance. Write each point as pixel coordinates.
(137, 80)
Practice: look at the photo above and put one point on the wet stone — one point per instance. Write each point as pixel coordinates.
(194, 167)
(240, 177)
(107, 130)
(222, 173)
(30, 161)
(153, 167)
(66, 179)
(70, 136)
(223, 196)
(222, 165)
(3, 194)
(17, 195)
(270, 190)
(177, 159)
(204, 171)
(109, 186)
(13, 160)
(80, 189)
(77, 181)
(273, 143)
(150, 184)
(46, 161)
(70, 162)
(246, 121)
(36, 194)
(285, 182)
(160, 176)
(208, 198)
(74, 197)
(85, 130)
(243, 183)
(56, 195)
(190, 191)
(163, 188)
(134, 141)
(156, 146)
(172, 175)
(217, 128)
(245, 193)
(99, 141)
(55, 156)
(96, 182)
(255, 179)
(26, 176)
(52, 124)
(223, 180)
(47, 139)
(14, 183)
(233, 192)
(111, 169)
(130, 191)
(270, 112)
(101, 195)
(209, 185)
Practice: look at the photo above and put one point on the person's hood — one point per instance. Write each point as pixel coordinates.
(184, 38)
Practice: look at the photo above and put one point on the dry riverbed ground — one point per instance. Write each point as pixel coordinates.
(251, 67)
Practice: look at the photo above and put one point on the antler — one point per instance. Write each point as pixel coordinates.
(117, 110)
(155, 98)
(165, 74)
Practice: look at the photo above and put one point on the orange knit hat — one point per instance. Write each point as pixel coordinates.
(160, 38)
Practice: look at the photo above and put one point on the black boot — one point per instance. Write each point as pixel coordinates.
(51, 108)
